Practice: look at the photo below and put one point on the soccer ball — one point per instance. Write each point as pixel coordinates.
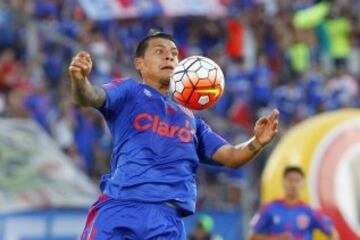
(197, 83)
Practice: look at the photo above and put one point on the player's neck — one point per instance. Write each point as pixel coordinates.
(158, 86)
(292, 200)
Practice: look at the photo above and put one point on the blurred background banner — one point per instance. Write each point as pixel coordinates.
(34, 173)
(110, 9)
(46, 224)
(102, 10)
(212, 8)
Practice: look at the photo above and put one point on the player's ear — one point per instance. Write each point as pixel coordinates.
(138, 63)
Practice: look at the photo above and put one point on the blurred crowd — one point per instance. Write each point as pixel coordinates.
(268, 58)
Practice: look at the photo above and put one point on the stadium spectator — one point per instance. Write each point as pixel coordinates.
(203, 229)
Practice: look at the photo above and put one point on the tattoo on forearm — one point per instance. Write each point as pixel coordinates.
(87, 95)
(252, 148)
(96, 98)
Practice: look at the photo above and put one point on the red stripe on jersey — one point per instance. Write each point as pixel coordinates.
(90, 231)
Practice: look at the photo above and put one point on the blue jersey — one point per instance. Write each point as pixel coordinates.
(157, 146)
(299, 220)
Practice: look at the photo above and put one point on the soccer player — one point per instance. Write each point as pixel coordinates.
(290, 218)
(157, 147)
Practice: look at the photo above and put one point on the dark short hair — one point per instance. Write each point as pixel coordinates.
(290, 169)
(153, 33)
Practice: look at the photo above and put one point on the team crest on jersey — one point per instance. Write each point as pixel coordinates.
(302, 221)
(170, 110)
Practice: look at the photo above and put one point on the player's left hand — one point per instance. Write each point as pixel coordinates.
(267, 127)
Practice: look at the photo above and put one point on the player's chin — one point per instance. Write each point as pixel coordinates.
(165, 81)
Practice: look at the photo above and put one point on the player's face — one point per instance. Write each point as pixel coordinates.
(293, 183)
(160, 59)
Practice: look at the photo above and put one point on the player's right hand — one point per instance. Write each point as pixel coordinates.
(80, 66)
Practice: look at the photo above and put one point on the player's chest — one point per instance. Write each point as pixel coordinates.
(291, 220)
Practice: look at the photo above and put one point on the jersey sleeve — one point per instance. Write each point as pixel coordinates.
(209, 141)
(261, 221)
(118, 92)
(322, 222)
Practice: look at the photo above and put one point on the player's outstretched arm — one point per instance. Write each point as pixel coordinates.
(84, 93)
(264, 131)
